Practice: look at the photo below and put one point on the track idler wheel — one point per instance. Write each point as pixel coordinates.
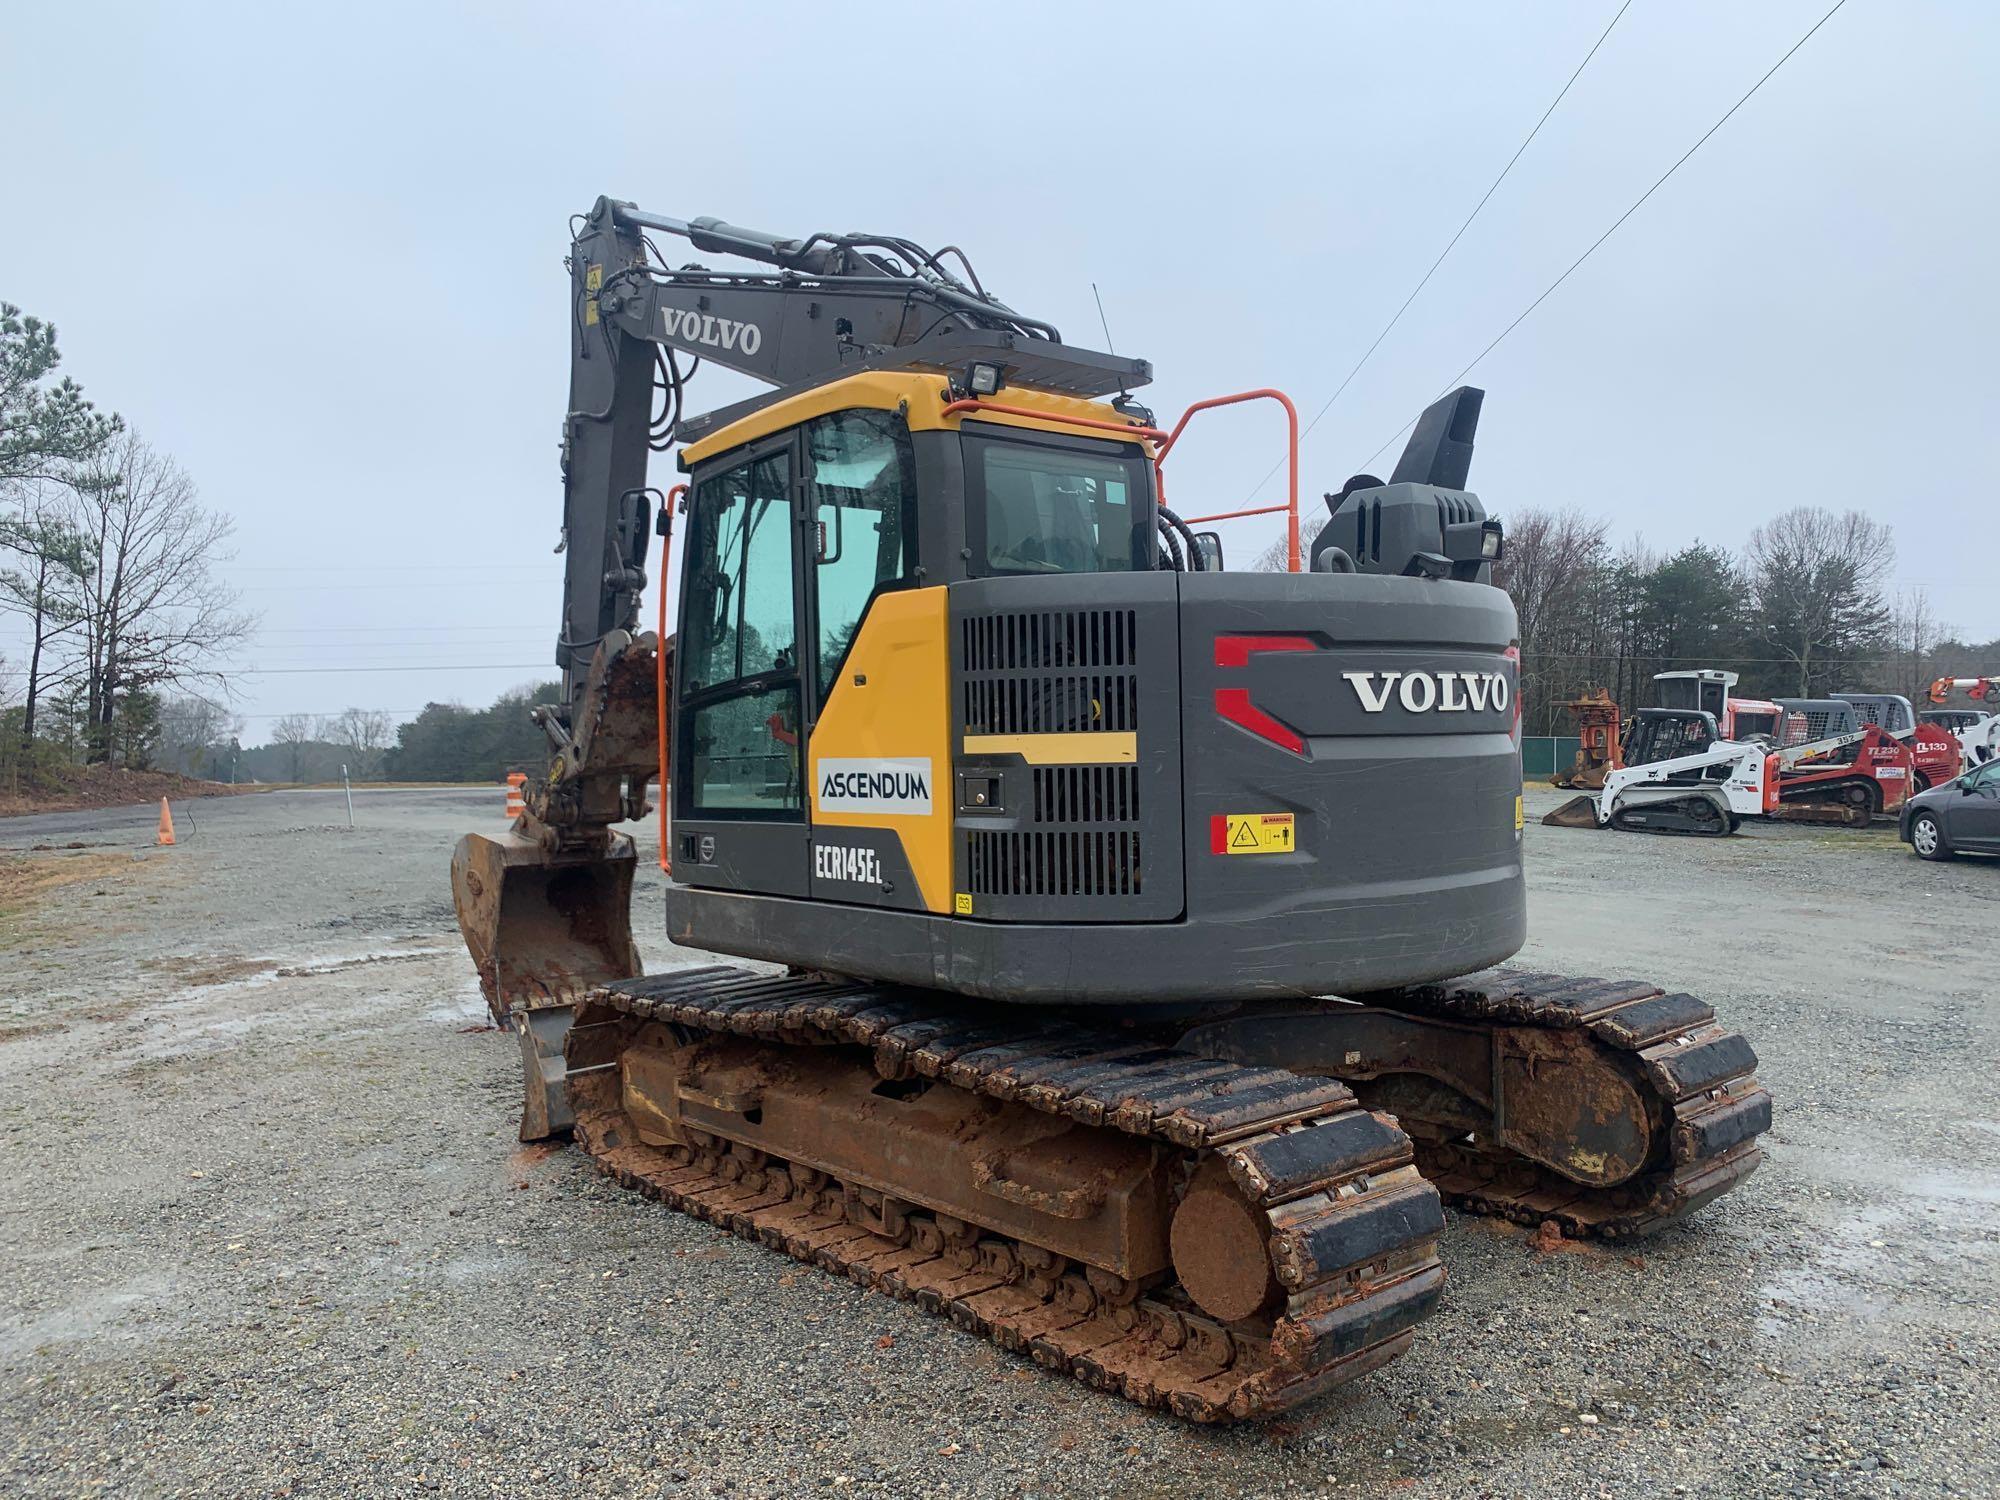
(1221, 1246)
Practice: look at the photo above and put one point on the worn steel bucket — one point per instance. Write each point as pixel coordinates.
(542, 930)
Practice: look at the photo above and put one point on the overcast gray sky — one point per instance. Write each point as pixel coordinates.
(316, 254)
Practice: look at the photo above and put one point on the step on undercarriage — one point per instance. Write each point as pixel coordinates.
(1173, 1216)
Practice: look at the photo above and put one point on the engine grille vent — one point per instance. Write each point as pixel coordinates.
(1040, 639)
(1068, 671)
(1086, 794)
(1058, 862)
(1057, 671)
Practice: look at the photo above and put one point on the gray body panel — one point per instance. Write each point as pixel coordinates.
(1407, 865)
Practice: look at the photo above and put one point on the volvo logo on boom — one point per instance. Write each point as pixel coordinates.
(1428, 692)
(706, 328)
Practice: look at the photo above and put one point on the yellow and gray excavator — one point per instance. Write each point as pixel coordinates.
(1118, 930)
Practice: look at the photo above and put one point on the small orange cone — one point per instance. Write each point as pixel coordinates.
(166, 823)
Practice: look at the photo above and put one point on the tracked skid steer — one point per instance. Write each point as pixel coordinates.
(1096, 947)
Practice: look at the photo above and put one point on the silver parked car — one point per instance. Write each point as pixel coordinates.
(1960, 817)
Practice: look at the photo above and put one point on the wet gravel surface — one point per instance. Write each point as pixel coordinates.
(265, 1228)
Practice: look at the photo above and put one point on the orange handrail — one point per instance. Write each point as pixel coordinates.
(1291, 505)
(678, 492)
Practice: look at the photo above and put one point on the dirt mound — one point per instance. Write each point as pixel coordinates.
(108, 786)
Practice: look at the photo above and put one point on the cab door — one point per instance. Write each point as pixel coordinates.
(738, 763)
(877, 767)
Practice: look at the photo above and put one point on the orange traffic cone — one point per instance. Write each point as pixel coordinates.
(166, 823)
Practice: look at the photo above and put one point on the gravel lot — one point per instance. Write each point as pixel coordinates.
(267, 1230)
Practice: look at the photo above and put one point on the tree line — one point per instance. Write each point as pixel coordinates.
(1802, 611)
(449, 742)
(107, 565)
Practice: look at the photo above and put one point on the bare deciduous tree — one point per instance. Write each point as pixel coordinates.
(1919, 640)
(295, 732)
(1556, 567)
(1546, 565)
(365, 733)
(154, 613)
(1816, 582)
(190, 727)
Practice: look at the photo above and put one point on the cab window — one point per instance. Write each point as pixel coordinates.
(737, 661)
(1040, 508)
(863, 508)
(739, 608)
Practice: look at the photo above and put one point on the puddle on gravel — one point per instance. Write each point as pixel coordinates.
(212, 971)
(184, 1025)
(205, 970)
(1870, 1258)
(359, 960)
(100, 1315)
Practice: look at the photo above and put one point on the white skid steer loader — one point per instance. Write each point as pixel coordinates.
(1709, 792)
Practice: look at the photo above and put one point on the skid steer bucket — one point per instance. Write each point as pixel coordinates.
(1578, 812)
(543, 929)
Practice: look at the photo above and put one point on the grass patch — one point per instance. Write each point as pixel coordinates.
(29, 885)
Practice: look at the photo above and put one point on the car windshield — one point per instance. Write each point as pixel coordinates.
(1052, 510)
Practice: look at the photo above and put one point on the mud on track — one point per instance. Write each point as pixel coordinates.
(267, 1229)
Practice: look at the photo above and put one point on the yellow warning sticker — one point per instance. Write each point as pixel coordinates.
(1255, 833)
(962, 903)
(593, 279)
(1519, 814)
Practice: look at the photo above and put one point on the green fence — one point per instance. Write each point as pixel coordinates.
(1542, 753)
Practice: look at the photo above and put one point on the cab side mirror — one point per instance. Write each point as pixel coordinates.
(1209, 545)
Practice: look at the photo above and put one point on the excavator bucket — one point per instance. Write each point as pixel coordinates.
(543, 929)
(1578, 812)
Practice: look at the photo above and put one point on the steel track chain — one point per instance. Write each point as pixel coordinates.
(1352, 1226)
(1701, 1080)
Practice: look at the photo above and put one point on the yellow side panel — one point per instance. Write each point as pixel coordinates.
(1091, 748)
(893, 701)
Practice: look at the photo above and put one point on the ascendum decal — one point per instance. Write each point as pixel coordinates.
(878, 785)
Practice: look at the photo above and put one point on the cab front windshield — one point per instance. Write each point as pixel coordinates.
(1046, 509)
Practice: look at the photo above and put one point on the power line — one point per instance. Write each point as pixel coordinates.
(1637, 204)
(1714, 661)
(359, 629)
(448, 666)
(348, 588)
(1389, 327)
(456, 567)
